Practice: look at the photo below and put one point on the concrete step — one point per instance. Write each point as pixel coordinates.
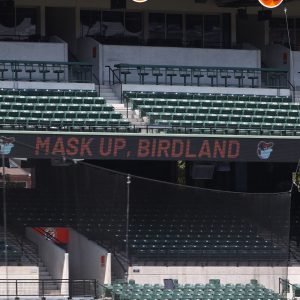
(110, 102)
(106, 93)
(44, 273)
(52, 293)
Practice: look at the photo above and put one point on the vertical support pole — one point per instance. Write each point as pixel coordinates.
(43, 290)
(17, 297)
(4, 221)
(127, 103)
(96, 294)
(70, 289)
(127, 216)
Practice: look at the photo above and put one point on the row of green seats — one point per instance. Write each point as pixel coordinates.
(137, 103)
(211, 291)
(220, 111)
(219, 104)
(222, 118)
(234, 97)
(54, 100)
(59, 115)
(46, 92)
(147, 111)
(56, 107)
(230, 125)
(63, 122)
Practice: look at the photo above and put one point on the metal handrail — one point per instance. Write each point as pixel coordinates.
(38, 288)
(57, 71)
(214, 75)
(112, 71)
(172, 129)
(112, 82)
(282, 281)
(199, 67)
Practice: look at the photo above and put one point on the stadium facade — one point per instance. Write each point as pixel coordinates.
(149, 150)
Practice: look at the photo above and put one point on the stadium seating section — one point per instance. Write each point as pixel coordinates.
(170, 112)
(52, 110)
(217, 113)
(180, 233)
(213, 290)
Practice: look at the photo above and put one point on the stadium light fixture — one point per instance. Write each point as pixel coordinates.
(140, 1)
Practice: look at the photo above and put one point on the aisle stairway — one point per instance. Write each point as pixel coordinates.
(26, 254)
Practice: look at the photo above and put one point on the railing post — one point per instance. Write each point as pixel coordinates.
(43, 290)
(70, 289)
(96, 296)
(17, 298)
(127, 103)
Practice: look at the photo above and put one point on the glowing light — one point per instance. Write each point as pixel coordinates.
(139, 1)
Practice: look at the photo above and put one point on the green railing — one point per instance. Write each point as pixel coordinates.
(203, 76)
(45, 71)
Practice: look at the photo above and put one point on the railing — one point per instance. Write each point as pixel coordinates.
(50, 287)
(114, 78)
(285, 286)
(46, 71)
(293, 89)
(202, 76)
(264, 129)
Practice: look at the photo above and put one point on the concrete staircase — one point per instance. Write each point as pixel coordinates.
(108, 94)
(111, 98)
(133, 116)
(50, 286)
(297, 96)
(30, 257)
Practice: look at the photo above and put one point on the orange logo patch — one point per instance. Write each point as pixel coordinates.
(270, 3)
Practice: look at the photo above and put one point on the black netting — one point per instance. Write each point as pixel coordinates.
(167, 223)
(185, 223)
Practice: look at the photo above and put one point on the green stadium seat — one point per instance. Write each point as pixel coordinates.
(198, 74)
(212, 75)
(170, 73)
(156, 72)
(56, 122)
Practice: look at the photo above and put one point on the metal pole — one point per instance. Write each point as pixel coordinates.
(4, 220)
(127, 100)
(127, 216)
(292, 76)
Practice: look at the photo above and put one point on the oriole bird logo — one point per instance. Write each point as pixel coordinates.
(270, 3)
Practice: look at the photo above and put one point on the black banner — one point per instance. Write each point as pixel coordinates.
(149, 147)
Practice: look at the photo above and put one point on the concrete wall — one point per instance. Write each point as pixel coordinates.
(111, 55)
(46, 85)
(85, 259)
(28, 273)
(23, 51)
(34, 51)
(273, 56)
(54, 258)
(295, 68)
(277, 56)
(268, 276)
(85, 53)
(204, 89)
